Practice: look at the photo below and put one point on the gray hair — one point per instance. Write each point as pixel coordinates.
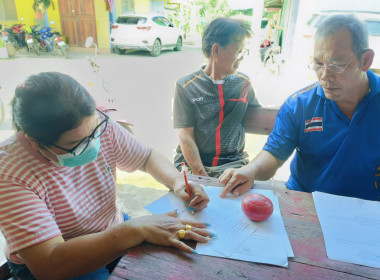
(224, 31)
(357, 28)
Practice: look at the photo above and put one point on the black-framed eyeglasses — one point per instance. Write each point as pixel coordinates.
(333, 68)
(83, 144)
(242, 54)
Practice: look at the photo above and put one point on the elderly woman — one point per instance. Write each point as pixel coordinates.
(57, 186)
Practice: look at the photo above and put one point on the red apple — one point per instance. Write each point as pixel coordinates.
(257, 207)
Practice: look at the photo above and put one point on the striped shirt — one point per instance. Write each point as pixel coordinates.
(40, 200)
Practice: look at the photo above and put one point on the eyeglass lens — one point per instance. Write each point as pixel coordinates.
(333, 68)
(95, 134)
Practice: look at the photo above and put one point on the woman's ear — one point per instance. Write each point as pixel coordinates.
(33, 142)
(367, 59)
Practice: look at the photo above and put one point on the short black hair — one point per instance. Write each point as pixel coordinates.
(224, 31)
(48, 104)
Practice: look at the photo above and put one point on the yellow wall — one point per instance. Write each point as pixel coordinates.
(102, 25)
(142, 6)
(118, 7)
(26, 15)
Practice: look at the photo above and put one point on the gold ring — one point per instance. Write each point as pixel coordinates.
(181, 233)
(188, 227)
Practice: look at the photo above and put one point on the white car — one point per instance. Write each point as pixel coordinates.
(371, 19)
(147, 32)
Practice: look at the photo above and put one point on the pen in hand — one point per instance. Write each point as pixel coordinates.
(191, 209)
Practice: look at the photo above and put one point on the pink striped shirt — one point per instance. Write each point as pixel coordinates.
(40, 201)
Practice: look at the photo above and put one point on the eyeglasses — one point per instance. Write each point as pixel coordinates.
(241, 54)
(83, 144)
(333, 68)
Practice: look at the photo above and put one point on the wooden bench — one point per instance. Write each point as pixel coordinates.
(260, 120)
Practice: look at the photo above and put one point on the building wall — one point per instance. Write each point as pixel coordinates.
(102, 25)
(26, 15)
(142, 6)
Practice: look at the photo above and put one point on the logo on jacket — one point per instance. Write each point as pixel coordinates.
(197, 99)
(315, 124)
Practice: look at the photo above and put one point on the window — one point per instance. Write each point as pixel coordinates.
(373, 27)
(159, 21)
(162, 21)
(131, 20)
(127, 6)
(8, 10)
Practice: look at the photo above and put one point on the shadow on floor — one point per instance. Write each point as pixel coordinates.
(131, 199)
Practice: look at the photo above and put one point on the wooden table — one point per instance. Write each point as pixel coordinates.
(148, 261)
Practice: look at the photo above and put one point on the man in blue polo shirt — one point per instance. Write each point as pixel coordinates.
(334, 125)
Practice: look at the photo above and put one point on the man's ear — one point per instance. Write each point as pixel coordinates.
(215, 49)
(33, 142)
(367, 59)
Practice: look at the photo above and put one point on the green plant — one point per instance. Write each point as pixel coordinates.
(41, 4)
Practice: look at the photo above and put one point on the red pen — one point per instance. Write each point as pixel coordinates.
(187, 183)
(191, 209)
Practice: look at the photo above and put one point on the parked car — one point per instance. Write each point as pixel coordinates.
(371, 19)
(147, 32)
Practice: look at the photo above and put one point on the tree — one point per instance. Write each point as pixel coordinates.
(41, 5)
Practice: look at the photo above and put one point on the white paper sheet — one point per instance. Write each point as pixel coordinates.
(351, 228)
(238, 237)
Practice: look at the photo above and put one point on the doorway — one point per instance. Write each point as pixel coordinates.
(77, 21)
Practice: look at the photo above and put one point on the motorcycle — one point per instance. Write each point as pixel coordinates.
(33, 39)
(52, 42)
(16, 36)
(103, 97)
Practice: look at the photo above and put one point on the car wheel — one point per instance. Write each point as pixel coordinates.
(119, 51)
(178, 46)
(156, 49)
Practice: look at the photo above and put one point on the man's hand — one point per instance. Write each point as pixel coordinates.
(236, 181)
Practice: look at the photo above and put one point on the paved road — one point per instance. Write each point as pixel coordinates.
(143, 86)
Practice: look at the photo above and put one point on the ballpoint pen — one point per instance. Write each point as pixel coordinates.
(191, 209)
(187, 183)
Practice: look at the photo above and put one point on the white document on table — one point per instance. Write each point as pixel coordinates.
(238, 237)
(351, 228)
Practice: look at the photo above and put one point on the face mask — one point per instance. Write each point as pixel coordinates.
(89, 155)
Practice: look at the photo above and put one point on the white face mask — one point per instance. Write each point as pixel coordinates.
(89, 155)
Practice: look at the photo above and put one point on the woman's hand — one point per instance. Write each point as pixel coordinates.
(165, 230)
(198, 199)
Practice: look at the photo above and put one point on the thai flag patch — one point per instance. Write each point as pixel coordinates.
(315, 124)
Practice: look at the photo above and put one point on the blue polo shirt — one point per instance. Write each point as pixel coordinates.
(333, 154)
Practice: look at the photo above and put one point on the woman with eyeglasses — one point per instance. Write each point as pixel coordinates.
(57, 186)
